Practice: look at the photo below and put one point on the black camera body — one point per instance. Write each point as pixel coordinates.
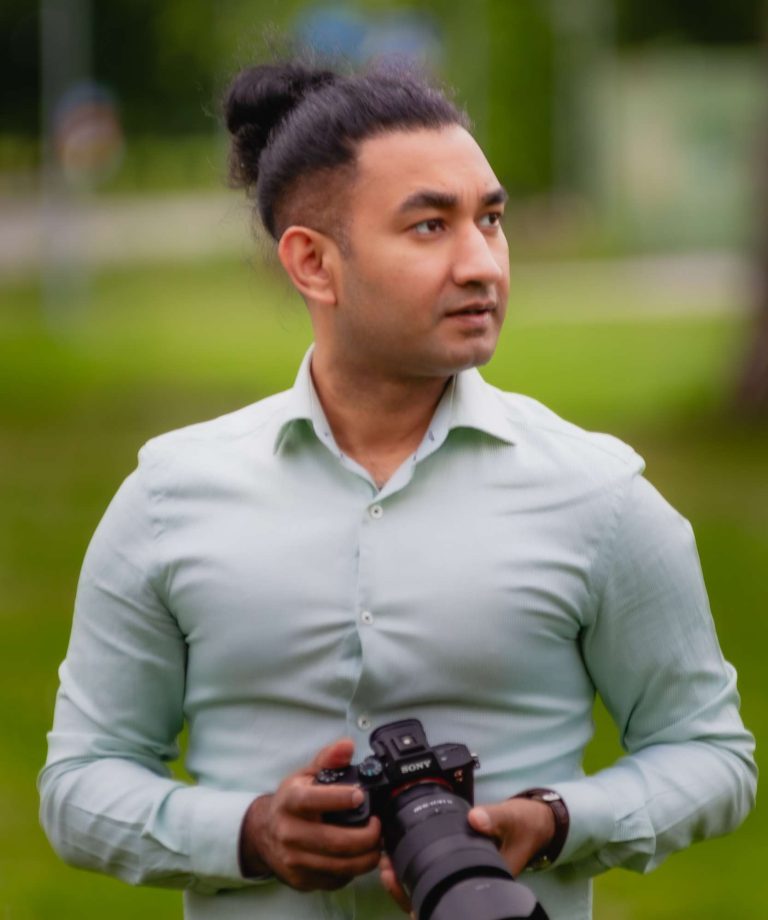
(422, 795)
(402, 758)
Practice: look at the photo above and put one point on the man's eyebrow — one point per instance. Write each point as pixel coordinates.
(418, 201)
(445, 201)
(497, 196)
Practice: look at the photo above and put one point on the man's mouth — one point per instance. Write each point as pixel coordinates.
(473, 309)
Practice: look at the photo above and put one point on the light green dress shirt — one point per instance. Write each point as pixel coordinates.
(252, 580)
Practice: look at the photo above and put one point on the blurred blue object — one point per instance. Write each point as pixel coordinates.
(339, 30)
(333, 30)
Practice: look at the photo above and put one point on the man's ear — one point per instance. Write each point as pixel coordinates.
(309, 257)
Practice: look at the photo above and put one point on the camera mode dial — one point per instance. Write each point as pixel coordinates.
(370, 768)
(327, 777)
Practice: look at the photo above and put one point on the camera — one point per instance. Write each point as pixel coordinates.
(422, 795)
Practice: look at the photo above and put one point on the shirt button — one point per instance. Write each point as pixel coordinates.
(376, 511)
(366, 617)
(364, 723)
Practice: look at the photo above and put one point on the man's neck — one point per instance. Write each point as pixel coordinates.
(377, 421)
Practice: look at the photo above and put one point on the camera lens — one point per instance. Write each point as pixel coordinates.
(450, 871)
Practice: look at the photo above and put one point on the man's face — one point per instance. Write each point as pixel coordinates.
(424, 284)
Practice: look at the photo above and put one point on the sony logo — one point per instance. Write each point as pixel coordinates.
(415, 765)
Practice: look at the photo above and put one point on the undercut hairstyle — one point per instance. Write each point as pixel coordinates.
(295, 131)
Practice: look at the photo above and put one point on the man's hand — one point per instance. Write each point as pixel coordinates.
(520, 827)
(284, 833)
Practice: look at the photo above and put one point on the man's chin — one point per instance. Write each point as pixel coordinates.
(449, 366)
(474, 354)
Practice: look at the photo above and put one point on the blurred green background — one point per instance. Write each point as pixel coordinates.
(134, 299)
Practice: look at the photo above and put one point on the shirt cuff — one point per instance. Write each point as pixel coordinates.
(592, 818)
(209, 821)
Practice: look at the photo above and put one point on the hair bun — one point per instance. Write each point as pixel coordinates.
(258, 101)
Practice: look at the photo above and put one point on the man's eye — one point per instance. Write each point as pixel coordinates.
(426, 227)
(491, 219)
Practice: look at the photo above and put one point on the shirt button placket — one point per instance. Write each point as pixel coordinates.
(363, 720)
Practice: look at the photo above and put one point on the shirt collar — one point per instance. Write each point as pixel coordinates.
(302, 403)
(468, 402)
(476, 404)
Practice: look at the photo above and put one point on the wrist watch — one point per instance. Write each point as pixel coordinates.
(550, 851)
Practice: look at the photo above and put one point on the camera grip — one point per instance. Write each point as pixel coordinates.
(347, 817)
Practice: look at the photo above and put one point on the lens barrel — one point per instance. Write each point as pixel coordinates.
(449, 870)
(488, 899)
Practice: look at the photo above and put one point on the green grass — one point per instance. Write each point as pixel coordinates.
(153, 349)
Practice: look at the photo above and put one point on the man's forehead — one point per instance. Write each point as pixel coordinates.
(399, 165)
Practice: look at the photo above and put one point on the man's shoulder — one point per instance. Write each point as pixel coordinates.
(253, 425)
(563, 442)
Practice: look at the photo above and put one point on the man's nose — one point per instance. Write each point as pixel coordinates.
(475, 260)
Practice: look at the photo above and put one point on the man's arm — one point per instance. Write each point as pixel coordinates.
(654, 657)
(108, 802)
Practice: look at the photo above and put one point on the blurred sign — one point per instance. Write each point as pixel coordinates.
(679, 138)
(359, 37)
(88, 137)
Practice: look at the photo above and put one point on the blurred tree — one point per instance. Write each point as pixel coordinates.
(688, 21)
(160, 59)
(521, 98)
(19, 72)
(499, 58)
(752, 390)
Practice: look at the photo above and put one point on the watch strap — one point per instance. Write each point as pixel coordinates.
(549, 853)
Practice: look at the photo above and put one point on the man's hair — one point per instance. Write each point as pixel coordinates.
(296, 129)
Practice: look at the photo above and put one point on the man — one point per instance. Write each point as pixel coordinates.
(391, 538)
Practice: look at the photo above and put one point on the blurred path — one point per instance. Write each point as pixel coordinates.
(120, 231)
(106, 231)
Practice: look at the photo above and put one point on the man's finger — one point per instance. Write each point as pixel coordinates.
(332, 757)
(339, 867)
(310, 800)
(353, 841)
(341, 842)
(390, 881)
(482, 820)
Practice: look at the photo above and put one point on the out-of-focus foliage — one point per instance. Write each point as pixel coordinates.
(519, 118)
(161, 58)
(711, 22)
(166, 62)
(19, 74)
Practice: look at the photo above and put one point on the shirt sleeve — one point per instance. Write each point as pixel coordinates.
(108, 801)
(654, 657)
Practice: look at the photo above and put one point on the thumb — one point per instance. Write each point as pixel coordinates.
(487, 820)
(333, 756)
